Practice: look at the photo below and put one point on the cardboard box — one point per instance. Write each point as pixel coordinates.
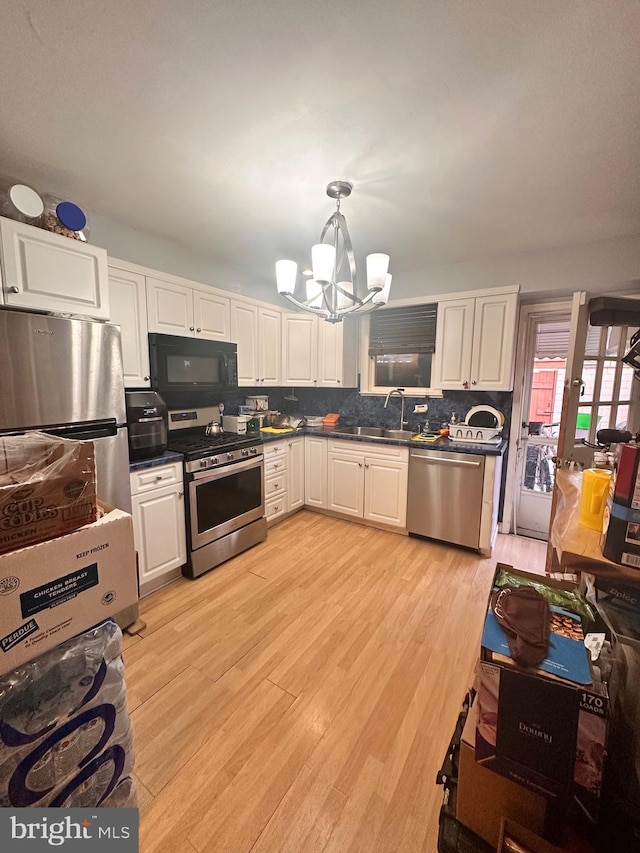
(485, 797)
(47, 488)
(53, 590)
(537, 728)
(525, 839)
(620, 539)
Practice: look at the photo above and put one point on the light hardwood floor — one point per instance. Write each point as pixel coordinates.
(301, 696)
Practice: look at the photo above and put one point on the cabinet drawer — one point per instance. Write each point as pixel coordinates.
(152, 478)
(275, 485)
(275, 465)
(369, 448)
(275, 450)
(275, 507)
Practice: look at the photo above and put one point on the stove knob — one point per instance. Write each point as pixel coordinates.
(253, 451)
(230, 457)
(203, 463)
(245, 452)
(214, 460)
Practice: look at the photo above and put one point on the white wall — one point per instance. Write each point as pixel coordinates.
(129, 244)
(597, 267)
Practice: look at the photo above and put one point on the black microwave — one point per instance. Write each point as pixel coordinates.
(186, 371)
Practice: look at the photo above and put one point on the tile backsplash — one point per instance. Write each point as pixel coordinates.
(369, 410)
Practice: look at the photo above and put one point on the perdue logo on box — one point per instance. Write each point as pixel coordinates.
(19, 635)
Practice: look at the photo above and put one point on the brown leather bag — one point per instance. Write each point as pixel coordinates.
(523, 614)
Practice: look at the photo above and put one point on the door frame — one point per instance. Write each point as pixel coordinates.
(528, 313)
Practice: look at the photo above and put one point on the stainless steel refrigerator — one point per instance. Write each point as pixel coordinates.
(64, 376)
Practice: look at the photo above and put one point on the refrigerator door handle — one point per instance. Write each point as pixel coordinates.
(85, 431)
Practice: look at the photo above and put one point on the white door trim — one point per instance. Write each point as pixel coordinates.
(528, 313)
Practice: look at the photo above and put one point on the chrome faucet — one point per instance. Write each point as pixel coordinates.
(400, 392)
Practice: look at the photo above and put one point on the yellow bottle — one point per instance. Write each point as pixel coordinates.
(593, 498)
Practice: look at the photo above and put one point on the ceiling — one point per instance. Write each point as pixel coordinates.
(469, 129)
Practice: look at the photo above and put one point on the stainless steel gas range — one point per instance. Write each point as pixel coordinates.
(224, 487)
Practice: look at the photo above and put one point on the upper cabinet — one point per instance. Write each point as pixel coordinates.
(47, 272)
(128, 303)
(258, 332)
(475, 340)
(317, 353)
(177, 309)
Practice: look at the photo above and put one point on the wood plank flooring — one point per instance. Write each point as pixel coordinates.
(301, 696)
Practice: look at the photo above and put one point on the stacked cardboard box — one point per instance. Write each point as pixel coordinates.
(63, 569)
(535, 740)
(620, 541)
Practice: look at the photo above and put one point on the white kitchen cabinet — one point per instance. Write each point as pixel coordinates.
(128, 306)
(177, 309)
(157, 498)
(275, 479)
(319, 354)
(284, 477)
(315, 471)
(257, 331)
(300, 349)
(338, 353)
(47, 272)
(475, 343)
(368, 481)
(296, 473)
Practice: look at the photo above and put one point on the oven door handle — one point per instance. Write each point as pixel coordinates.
(225, 470)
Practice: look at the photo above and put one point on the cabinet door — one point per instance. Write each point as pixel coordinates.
(385, 492)
(270, 347)
(494, 331)
(47, 272)
(454, 330)
(315, 471)
(211, 315)
(244, 332)
(345, 484)
(159, 534)
(128, 305)
(300, 350)
(330, 337)
(295, 471)
(170, 308)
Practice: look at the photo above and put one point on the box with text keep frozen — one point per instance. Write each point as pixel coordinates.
(53, 590)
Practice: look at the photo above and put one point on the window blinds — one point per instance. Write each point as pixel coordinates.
(408, 329)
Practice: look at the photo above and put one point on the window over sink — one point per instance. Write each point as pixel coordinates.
(399, 344)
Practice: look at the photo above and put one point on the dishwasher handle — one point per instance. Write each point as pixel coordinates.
(444, 461)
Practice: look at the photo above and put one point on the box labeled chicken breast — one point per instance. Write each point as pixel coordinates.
(53, 590)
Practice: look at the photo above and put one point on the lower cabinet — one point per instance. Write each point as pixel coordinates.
(315, 471)
(368, 481)
(157, 497)
(283, 477)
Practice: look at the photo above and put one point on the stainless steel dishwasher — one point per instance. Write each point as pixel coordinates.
(445, 496)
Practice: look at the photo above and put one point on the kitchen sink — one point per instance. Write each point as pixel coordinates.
(375, 432)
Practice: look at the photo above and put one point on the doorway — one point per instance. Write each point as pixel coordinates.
(545, 359)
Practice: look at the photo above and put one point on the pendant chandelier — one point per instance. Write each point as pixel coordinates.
(332, 292)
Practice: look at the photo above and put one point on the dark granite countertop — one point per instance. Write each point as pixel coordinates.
(165, 458)
(442, 444)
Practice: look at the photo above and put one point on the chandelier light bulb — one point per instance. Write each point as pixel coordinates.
(323, 261)
(377, 268)
(286, 272)
(382, 296)
(344, 301)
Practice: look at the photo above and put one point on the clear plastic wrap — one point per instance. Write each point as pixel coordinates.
(65, 734)
(47, 488)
